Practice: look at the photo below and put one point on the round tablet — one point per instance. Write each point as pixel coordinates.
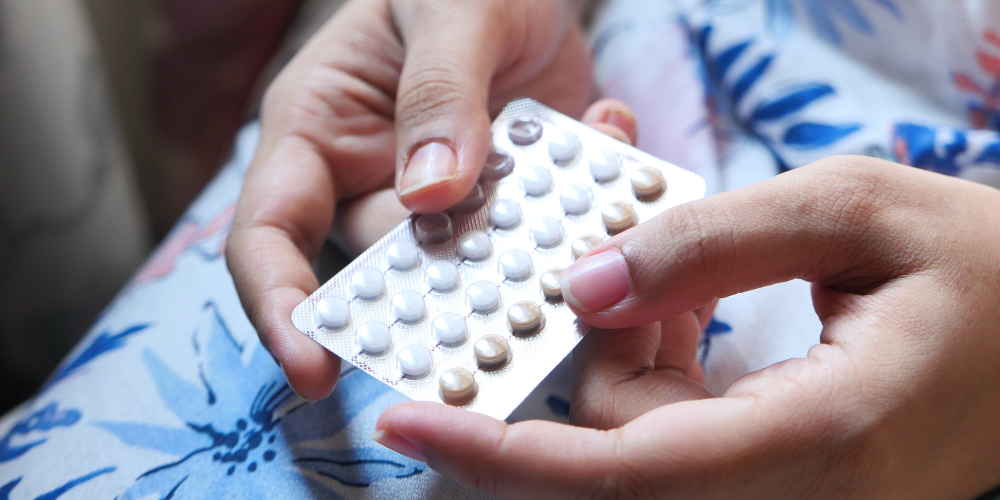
(492, 352)
(505, 213)
(374, 338)
(524, 131)
(537, 180)
(367, 283)
(583, 245)
(333, 312)
(433, 228)
(576, 199)
(407, 306)
(402, 255)
(547, 231)
(484, 297)
(498, 165)
(442, 275)
(606, 166)
(551, 282)
(618, 216)
(525, 318)
(475, 199)
(457, 386)
(474, 245)
(415, 361)
(450, 328)
(515, 264)
(648, 183)
(564, 146)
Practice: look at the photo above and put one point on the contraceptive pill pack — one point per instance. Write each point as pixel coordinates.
(465, 307)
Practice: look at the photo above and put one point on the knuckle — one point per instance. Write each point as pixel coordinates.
(430, 93)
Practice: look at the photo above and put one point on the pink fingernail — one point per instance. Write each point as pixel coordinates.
(619, 118)
(398, 444)
(434, 163)
(597, 282)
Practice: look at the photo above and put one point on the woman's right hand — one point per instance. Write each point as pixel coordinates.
(390, 98)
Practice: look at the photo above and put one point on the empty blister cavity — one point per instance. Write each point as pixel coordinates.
(374, 338)
(402, 255)
(457, 386)
(333, 312)
(564, 146)
(472, 201)
(442, 275)
(584, 244)
(498, 165)
(525, 319)
(505, 213)
(547, 231)
(576, 199)
(415, 361)
(433, 228)
(515, 264)
(606, 166)
(483, 297)
(536, 180)
(618, 216)
(368, 283)
(474, 245)
(408, 306)
(492, 352)
(648, 183)
(450, 329)
(524, 131)
(551, 284)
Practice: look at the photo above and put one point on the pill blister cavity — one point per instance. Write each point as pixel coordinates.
(618, 216)
(516, 264)
(584, 244)
(547, 231)
(551, 284)
(433, 228)
(415, 361)
(524, 131)
(492, 352)
(457, 386)
(483, 296)
(333, 312)
(442, 275)
(576, 199)
(367, 283)
(450, 329)
(498, 165)
(475, 199)
(564, 147)
(505, 213)
(536, 180)
(373, 337)
(606, 166)
(408, 306)
(648, 183)
(525, 319)
(402, 255)
(474, 245)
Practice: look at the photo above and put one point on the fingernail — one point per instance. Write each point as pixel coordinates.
(398, 444)
(434, 163)
(597, 282)
(620, 118)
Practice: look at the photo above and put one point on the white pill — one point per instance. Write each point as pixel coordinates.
(442, 275)
(505, 213)
(576, 199)
(408, 306)
(484, 297)
(415, 361)
(374, 337)
(524, 131)
(402, 255)
(450, 328)
(516, 264)
(537, 180)
(564, 146)
(474, 245)
(606, 166)
(367, 283)
(333, 312)
(547, 231)
(433, 228)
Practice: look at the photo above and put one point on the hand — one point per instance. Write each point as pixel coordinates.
(390, 93)
(898, 401)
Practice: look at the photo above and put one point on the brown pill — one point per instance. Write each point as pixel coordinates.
(619, 216)
(648, 183)
(475, 199)
(551, 287)
(433, 228)
(492, 352)
(584, 244)
(498, 165)
(457, 386)
(525, 319)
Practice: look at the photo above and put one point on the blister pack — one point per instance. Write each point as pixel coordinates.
(465, 307)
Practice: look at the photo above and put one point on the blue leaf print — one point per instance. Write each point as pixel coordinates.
(791, 102)
(558, 405)
(781, 17)
(816, 135)
(103, 344)
(6, 489)
(43, 420)
(990, 154)
(822, 14)
(923, 149)
(891, 7)
(748, 79)
(852, 14)
(714, 329)
(728, 57)
(359, 467)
